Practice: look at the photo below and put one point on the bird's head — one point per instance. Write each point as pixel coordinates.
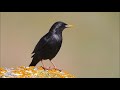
(59, 26)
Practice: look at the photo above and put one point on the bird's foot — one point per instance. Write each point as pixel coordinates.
(55, 68)
(46, 68)
(59, 69)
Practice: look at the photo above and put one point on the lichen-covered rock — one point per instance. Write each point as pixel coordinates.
(33, 72)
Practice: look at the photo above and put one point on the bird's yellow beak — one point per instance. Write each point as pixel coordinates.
(68, 26)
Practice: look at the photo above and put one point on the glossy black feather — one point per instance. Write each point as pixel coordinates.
(49, 45)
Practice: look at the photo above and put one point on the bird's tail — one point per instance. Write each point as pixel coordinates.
(35, 60)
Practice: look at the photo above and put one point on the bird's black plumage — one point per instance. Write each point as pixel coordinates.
(50, 44)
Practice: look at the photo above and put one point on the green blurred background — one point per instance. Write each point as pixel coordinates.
(90, 48)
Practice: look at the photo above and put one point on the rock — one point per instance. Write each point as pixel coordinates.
(33, 72)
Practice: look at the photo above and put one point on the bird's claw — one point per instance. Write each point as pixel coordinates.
(59, 69)
(50, 68)
(55, 68)
(45, 68)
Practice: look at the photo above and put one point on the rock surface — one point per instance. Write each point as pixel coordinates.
(33, 72)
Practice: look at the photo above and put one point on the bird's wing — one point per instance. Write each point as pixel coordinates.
(42, 42)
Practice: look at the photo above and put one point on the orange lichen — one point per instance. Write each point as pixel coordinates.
(32, 72)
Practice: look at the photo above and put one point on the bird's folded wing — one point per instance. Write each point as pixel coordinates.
(42, 43)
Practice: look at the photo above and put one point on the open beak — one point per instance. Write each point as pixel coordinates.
(68, 26)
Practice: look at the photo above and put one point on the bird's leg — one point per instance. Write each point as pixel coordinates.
(55, 66)
(44, 65)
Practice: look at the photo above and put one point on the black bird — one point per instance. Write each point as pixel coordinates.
(49, 45)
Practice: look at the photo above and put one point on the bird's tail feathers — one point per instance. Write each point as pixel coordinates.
(35, 60)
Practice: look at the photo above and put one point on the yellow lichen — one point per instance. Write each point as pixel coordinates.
(33, 72)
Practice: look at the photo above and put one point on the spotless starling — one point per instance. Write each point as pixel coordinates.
(49, 45)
